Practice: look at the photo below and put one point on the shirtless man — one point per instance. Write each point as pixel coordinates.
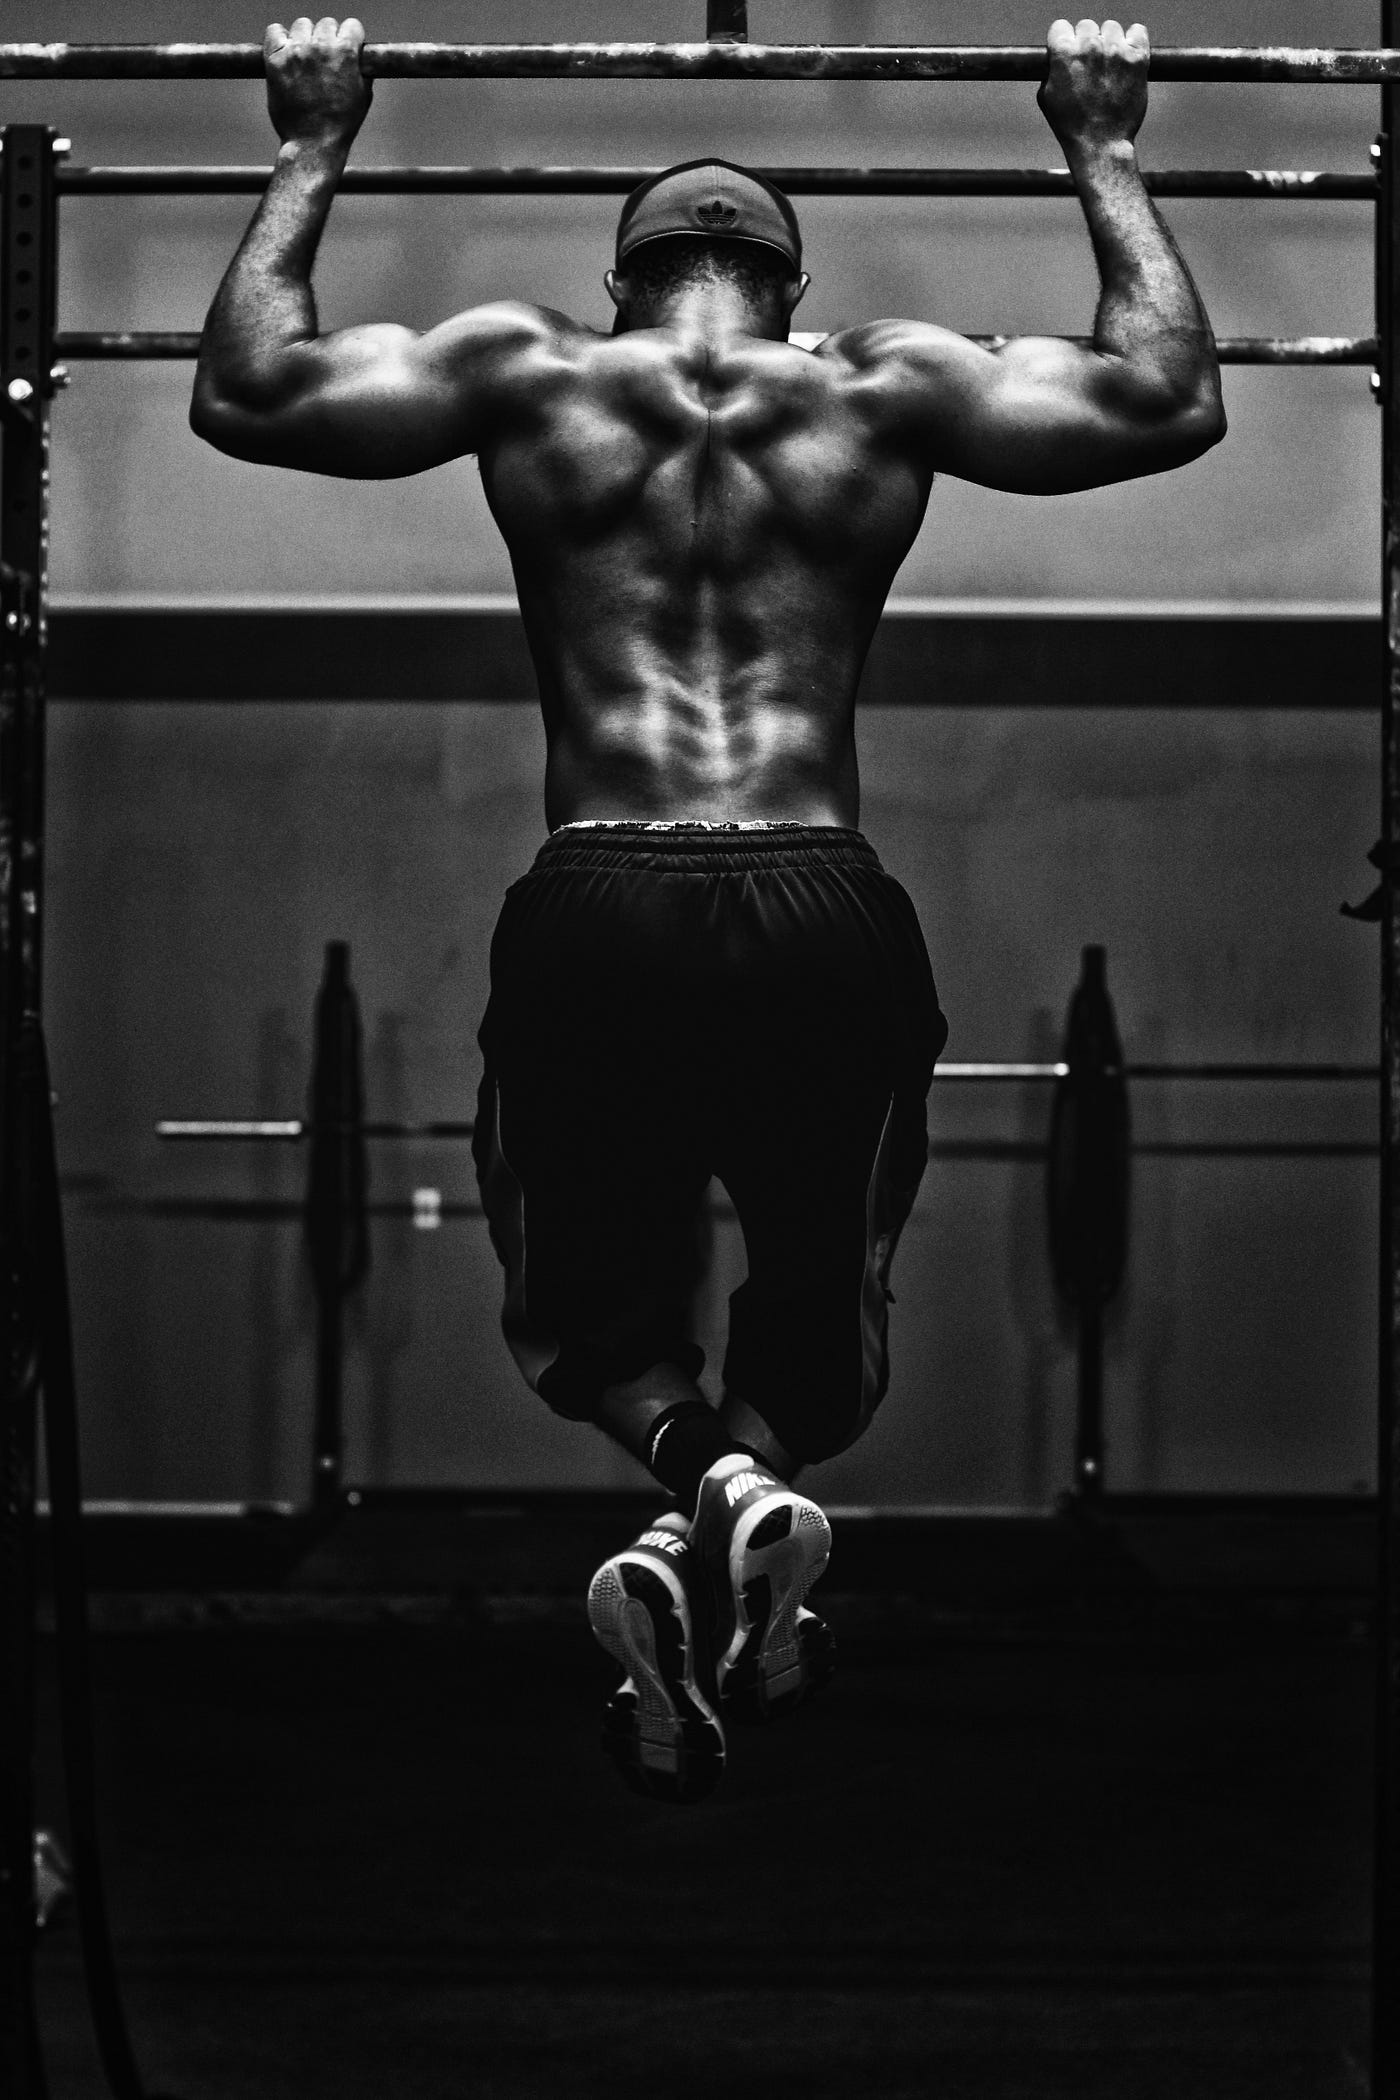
(706, 971)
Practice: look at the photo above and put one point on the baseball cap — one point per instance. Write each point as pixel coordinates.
(713, 200)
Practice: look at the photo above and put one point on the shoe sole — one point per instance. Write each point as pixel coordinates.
(658, 1727)
(778, 1654)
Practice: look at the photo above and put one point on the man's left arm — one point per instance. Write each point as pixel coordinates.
(1043, 416)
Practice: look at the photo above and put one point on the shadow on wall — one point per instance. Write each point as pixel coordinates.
(383, 1326)
(1138, 1376)
(1046, 1328)
(277, 1297)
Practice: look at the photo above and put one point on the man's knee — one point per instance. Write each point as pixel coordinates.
(814, 1392)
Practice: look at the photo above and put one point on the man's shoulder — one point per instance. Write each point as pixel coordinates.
(871, 345)
(512, 324)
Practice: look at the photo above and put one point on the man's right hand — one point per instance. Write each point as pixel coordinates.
(1095, 87)
(316, 93)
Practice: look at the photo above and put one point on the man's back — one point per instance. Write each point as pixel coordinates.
(704, 520)
(704, 525)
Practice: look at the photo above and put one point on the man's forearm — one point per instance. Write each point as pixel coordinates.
(1149, 311)
(265, 303)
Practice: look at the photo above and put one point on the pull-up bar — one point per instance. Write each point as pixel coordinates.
(1295, 184)
(709, 61)
(128, 346)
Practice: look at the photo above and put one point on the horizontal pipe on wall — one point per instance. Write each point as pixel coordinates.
(1293, 183)
(264, 1130)
(709, 61)
(157, 345)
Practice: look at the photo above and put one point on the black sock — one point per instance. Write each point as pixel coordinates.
(683, 1444)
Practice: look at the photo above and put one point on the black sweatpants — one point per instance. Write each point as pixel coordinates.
(673, 1003)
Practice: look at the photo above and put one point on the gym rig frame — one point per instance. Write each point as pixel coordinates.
(1089, 1134)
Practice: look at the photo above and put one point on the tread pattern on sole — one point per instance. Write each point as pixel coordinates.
(657, 1726)
(786, 1652)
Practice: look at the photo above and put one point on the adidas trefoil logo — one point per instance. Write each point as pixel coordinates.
(739, 1484)
(717, 214)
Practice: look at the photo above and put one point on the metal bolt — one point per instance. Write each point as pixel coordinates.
(1376, 385)
(62, 148)
(20, 390)
(1376, 150)
(59, 375)
(12, 622)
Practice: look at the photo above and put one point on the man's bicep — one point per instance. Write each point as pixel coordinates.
(378, 401)
(367, 404)
(1037, 415)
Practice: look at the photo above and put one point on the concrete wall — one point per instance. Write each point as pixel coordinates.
(201, 854)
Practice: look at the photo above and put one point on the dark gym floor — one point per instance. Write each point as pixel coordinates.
(1110, 1844)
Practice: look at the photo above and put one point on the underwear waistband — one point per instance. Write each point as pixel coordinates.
(694, 846)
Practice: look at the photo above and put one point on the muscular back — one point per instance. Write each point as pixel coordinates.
(703, 529)
(703, 520)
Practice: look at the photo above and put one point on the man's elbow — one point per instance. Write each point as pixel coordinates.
(1198, 426)
(212, 417)
(239, 414)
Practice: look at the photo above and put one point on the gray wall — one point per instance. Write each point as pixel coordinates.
(201, 854)
(1285, 513)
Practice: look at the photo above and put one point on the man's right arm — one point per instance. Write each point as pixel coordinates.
(372, 402)
(367, 402)
(1039, 415)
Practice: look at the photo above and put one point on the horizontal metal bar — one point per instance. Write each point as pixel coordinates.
(255, 1210)
(1000, 1071)
(107, 345)
(1297, 350)
(268, 1129)
(1258, 349)
(709, 61)
(1251, 1148)
(1370, 1073)
(1296, 183)
(162, 344)
(290, 1129)
(181, 1512)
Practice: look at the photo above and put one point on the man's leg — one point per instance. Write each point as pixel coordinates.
(664, 1419)
(823, 1049)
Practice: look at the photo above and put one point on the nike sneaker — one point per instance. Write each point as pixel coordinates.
(659, 1726)
(762, 1546)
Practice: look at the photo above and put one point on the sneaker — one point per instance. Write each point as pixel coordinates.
(762, 1546)
(659, 1727)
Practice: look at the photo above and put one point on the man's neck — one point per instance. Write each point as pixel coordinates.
(716, 313)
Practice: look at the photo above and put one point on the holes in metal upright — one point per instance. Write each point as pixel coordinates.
(27, 278)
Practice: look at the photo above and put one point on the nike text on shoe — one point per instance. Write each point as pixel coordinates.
(659, 1727)
(762, 1547)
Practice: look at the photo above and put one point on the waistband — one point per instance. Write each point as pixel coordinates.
(694, 847)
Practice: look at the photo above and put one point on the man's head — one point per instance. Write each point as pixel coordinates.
(710, 228)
